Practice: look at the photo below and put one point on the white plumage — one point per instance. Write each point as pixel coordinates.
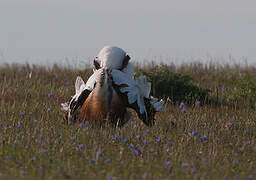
(136, 90)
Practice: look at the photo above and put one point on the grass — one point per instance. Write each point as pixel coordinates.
(209, 141)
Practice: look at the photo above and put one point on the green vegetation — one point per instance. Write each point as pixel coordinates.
(213, 107)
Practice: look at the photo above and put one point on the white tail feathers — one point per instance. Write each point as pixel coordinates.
(158, 105)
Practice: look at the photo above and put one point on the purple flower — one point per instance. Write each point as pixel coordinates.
(49, 95)
(10, 157)
(48, 109)
(56, 76)
(144, 175)
(110, 178)
(154, 154)
(250, 177)
(140, 149)
(93, 161)
(184, 165)
(196, 70)
(137, 137)
(145, 142)
(125, 140)
(212, 134)
(108, 160)
(218, 140)
(203, 138)
(158, 140)
(147, 131)
(223, 89)
(34, 159)
(193, 170)
(170, 144)
(112, 138)
(120, 137)
(132, 123)
(195, 133)
(20, 133)
(131, 146)
(73, 139)
(235, 162)
(183, 110)
(181, 105)
(66, 83)
(21, 114)
(20, 123)
(22, 172)
(80, 147)
(98, 154)
(167, 164)
(248, 143)
(43, 151)
(135, 152)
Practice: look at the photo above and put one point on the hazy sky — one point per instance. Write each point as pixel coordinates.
(45, 30)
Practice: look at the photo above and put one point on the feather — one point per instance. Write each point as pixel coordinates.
(136, 90)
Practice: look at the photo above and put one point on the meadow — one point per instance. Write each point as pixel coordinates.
(211, 136)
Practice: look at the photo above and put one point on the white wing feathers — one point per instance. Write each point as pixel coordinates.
(93, 79)
(136, 90)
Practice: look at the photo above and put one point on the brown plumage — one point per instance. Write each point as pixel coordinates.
(103, 105)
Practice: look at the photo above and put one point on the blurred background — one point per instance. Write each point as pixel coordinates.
(60, 31)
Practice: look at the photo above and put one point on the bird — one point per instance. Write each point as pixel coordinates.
(110, 91)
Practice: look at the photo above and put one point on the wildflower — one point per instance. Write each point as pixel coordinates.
(145, 142)
(20, 123)
(158, 140)
(212, 134)
(170, 144)
(147, 131)
(67, 83)
(22, 172)
(125, 140)
(20, 133)
(73, 139)
(167, 164)
(195, 133)
(108, 160)
(183, 110)
(80, 147)
(181, 105)
(250, 177)
(56, 76)
(235, 162)
(154, 154)
(248, 143)
(193, 170)
(184, 165)
(223, 89)
(21, 114)
(203, 138)
(135, 152)
(110, 178)
(43, 151)
(34, 159)
(48, 109)
(98, 154)
(131, 146)
(140, 149)
(10, 157)
(144, 175)
(120, 137)
(218, 140)
(93, 161)
(196, 70)
(50, 95)
(137, 137)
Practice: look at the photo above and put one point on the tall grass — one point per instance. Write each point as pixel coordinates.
(208, 141)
